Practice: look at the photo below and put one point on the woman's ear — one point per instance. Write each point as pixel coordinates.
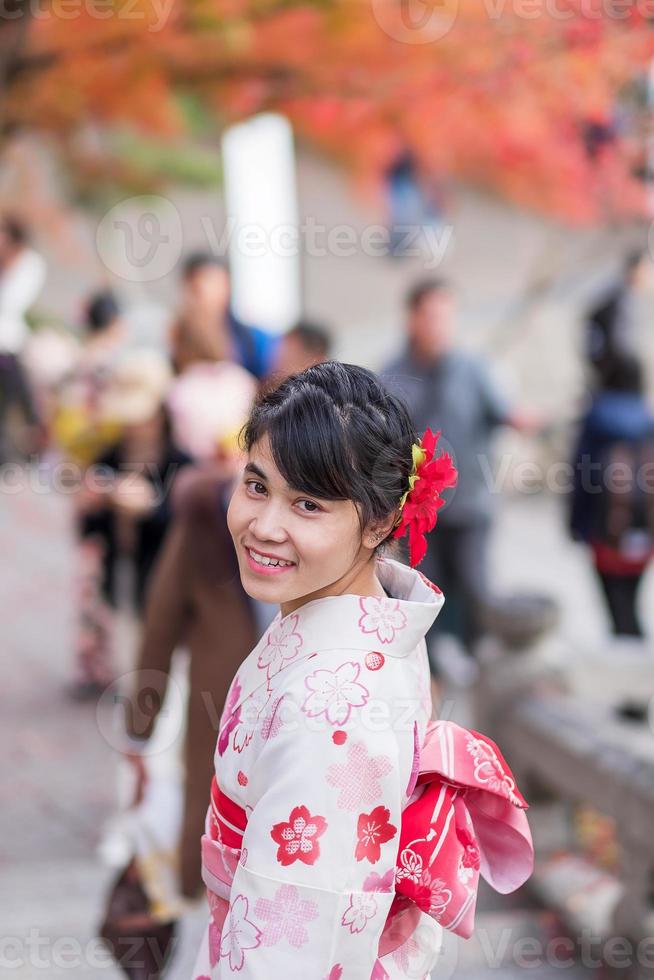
(375, 533)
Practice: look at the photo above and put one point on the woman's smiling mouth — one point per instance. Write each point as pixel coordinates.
(265, 564)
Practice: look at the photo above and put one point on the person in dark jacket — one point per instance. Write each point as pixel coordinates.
(612, 507)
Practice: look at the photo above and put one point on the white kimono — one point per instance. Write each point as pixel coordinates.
(316, 760)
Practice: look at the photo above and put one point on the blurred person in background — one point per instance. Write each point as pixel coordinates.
(611, 324)
(449, 390)
(195, 599)
(612, 505)
(206, 328)
(123, 507)
(80, 428)
(22, 275)
(301, 347)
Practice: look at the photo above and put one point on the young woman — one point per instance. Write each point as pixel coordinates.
(319, 849)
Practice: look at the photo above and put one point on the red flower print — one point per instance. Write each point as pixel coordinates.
(373, 830)
(298, 837)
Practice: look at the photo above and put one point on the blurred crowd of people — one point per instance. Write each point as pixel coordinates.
(155, 435)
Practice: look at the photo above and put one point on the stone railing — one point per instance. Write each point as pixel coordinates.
(561, 735)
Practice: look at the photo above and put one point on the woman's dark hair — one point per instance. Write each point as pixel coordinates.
(101, 311)
(336, 433)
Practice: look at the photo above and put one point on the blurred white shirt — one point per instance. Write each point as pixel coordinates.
(20, 284)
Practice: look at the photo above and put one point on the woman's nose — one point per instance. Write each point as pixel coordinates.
(268, 526)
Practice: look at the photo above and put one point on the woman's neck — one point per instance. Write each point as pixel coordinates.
(359, 580)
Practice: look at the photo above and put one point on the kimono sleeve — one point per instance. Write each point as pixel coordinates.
(315, 882)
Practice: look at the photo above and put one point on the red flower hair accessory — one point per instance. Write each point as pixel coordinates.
(420, 504)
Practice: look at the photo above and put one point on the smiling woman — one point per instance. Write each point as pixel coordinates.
(329, 456)
(321, 744)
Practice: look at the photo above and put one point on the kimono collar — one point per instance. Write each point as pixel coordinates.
(393, 625)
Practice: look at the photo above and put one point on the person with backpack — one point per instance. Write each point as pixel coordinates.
(612, 507)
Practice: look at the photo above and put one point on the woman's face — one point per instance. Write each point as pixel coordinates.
(291, 546)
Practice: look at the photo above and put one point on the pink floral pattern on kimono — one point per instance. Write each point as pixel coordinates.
(382, 617)
(358, 778)
(333, 693)
(283, 644)
(286, 917)
(250, 713)
(239, 934)
(373, 830)
(489, 770)
(361, 909)
(231, 716)
(298, 837)
(380, 883)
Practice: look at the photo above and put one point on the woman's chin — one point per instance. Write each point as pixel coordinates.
(266, 590)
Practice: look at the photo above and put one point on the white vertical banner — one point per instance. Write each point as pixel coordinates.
(263, 221)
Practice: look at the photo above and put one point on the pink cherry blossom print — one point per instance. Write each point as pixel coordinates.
(250, 713)
(298, 837)
(375, 660)
(373, 830)
(230, 716)
(380, 883)
(333, 693)
(361, 909)
(358, 778)
(403, 955)
(272, 723)
(286, 917)
(242, 778)
(378, 972)
(239, 934)
(335, 973)
(339, 737)
(382, 617)
(282, 644)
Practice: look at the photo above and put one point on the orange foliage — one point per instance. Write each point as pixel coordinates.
(500, 92)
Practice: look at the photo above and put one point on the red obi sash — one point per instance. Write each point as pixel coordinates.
(466, 818)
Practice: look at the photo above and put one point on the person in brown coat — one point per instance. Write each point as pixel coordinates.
(195, 599)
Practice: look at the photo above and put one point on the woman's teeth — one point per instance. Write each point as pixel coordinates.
(264, 560)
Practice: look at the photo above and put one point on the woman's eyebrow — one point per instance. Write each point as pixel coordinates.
(253, 468)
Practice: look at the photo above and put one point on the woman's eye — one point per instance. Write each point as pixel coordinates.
(255, 487)
(310, 508)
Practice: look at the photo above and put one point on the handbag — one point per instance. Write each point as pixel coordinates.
(139, 943)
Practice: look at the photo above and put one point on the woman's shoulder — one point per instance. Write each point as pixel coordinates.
(340, 685)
